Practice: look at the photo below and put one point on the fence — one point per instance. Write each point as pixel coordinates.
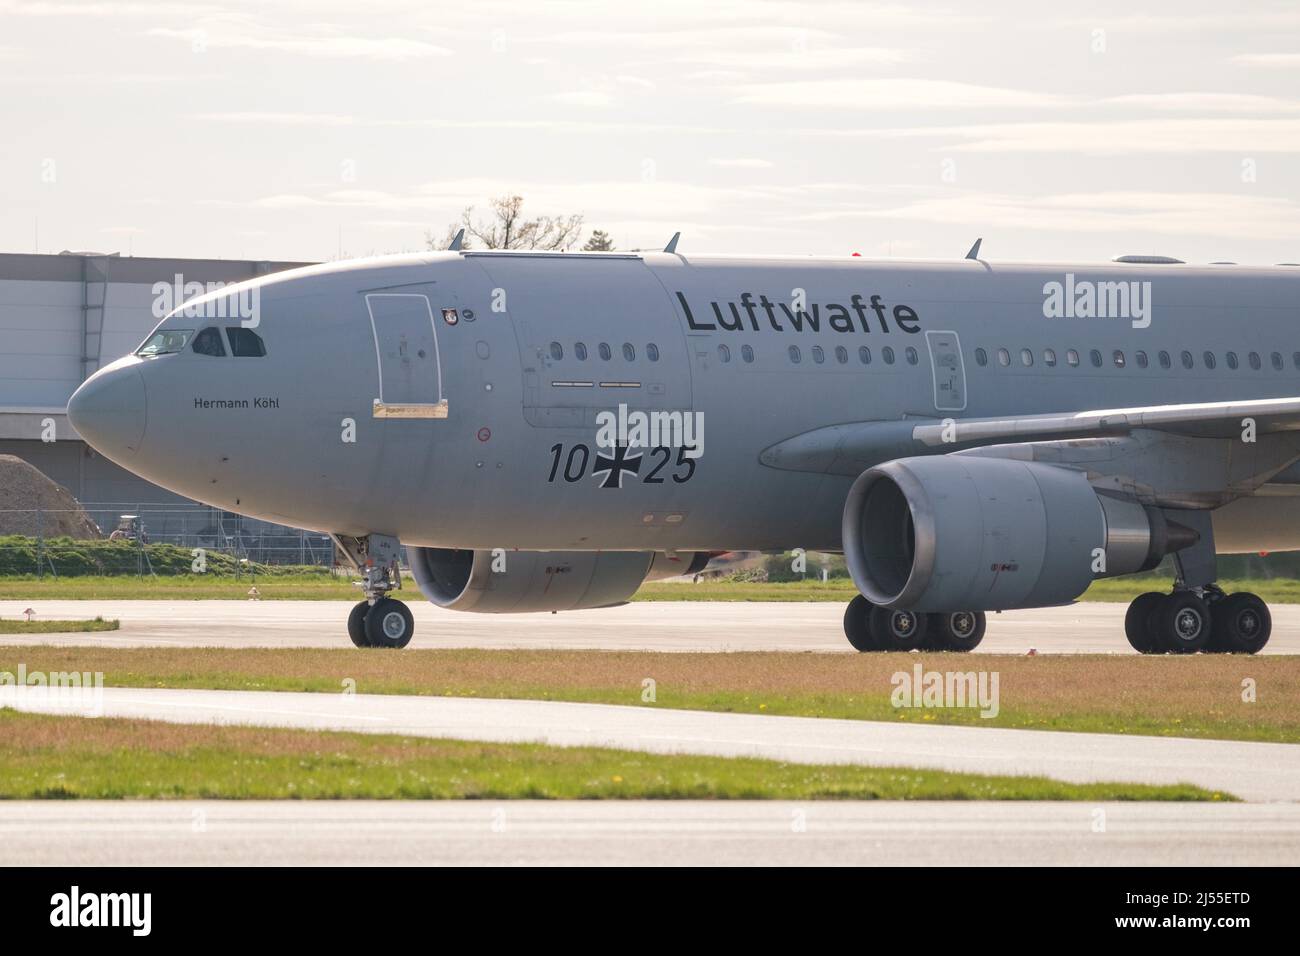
(143, 538)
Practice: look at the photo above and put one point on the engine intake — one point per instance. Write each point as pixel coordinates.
(522, 581)
(962, 532)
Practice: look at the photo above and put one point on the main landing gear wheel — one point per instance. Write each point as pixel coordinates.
(897, 630)
(857, 624)
(959, 631)
(1137, 622)
(1242, 624)
(357, 624)
(389, 624)
(1181, 623)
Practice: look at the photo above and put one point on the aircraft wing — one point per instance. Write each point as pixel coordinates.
(1200, 420)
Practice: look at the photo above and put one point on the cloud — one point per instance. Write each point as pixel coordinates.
(1118, 213)
(1204, 102)
(278, 119)
(741, 163)
(1275, 61)
(894, 95)
(338, 46)
(1181, 136)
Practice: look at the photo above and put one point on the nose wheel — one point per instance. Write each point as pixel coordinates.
(378, 621)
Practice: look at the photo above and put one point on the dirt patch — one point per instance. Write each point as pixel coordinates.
(32, 504)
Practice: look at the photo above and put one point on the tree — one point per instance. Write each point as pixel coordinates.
(599, 242)
(506, 228)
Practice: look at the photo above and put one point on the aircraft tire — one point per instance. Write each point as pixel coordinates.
(357, 625)
(959, 631)
(857, 625)
(1181, 623)
(897, 630)
(1137, 622)
(1242, 624)
(389, 624)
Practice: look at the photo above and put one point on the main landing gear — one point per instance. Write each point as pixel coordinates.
(1199, 619)
(378, 621)
(872, 628)
(1197, 616)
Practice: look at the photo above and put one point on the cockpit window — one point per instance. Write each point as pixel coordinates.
(208, 342)
(165, 342)
(245, 343)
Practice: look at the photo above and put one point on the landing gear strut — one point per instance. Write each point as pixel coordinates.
(1197, 616)
(378, 621)
(872, 628)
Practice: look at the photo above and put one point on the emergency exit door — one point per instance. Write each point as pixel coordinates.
(949, 371)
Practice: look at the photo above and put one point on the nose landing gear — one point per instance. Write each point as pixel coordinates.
(379, 620)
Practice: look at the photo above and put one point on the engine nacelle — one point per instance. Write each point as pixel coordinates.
(963, 532)
(541, 580)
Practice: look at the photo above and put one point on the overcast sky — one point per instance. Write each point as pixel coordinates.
(296, 129)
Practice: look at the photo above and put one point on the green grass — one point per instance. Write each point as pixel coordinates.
(43, 757)
(324, 587)
(1176, 696)
(56, 627)
(184, 587)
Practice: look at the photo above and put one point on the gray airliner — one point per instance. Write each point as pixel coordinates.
(972, 436)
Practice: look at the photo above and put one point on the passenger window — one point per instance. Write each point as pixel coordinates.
(1141, 358)
(1095, 357)
(912, 356)
(1231, 359)
(557, 351)
(864, 355)
(1295, 357)
(1026, 357)
(1004, 357)
(1118, 358)
(1255, 363)
(1277, 361)
(1072, 357)
(887, 354)
(1049, 358)
(652, 352)
(629, 352)
(1165, 361)
(208, 342)
(1209, 359)
(747, 353)
(1188, 361)
(841, 354)
(724, 353)
(795, 355)
(818, 354)
(605, 351)
(982, 357)
(245, 343)
(580, 351)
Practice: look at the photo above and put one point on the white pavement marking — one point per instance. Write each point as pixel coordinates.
(633, 832)
(1247, 769)
(654, 626)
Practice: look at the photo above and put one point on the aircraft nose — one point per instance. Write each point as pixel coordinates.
(108, 411)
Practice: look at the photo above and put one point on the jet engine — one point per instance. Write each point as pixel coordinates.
(962, 532)
(504, 581)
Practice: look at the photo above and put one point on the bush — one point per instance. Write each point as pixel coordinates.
(66, 557)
